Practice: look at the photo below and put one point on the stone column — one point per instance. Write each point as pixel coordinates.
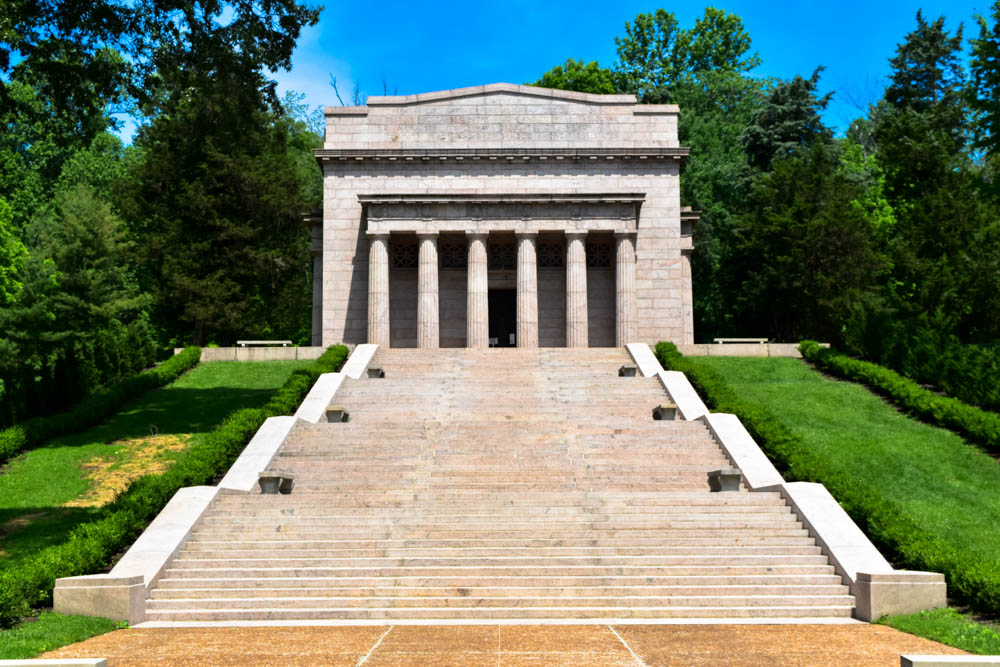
(378, 289)
(625, 299)
(427, 291)
(686, 296)
(477, 304)
(527, 291)
(576, 289)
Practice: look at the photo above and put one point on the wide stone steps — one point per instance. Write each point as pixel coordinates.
(234, 612)
(499, 592)
(554, 583)
(499, 484)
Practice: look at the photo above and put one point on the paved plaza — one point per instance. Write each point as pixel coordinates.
(850, 645)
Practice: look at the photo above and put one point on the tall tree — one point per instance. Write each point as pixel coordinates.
(921, 133)
(806, 256)
(79, 320)
(655, 55)
(12, 256)
(984, 66)
(788, 120)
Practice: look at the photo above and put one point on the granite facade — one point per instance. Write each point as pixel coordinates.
(502, 159)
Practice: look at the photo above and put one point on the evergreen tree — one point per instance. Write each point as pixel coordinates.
(79, 320)
(984, 66)
(788, 120)
(806, 256)
(12, 255)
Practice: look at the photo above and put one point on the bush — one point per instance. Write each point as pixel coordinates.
(96, 408)
(976, 425)
(970, 577)
(92, 546)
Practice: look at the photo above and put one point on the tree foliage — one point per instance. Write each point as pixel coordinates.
(583, 77)
(806, 234)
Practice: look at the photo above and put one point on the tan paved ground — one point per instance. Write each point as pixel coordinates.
(847, 645)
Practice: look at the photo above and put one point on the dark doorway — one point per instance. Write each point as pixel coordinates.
(503, 317)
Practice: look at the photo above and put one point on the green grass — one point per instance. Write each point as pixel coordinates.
(946, 486)
(949, 627)
(48, 633)
(35, 485)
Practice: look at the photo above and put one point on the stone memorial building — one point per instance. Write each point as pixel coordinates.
(502, 215)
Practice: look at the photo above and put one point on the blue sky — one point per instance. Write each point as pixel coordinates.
(421, 46)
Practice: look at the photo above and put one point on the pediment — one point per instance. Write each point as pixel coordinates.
(501, 93)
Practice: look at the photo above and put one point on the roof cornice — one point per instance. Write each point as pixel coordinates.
(327, 155)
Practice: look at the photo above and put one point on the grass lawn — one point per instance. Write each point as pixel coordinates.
(48, 490)
(49, 632)
(950, 627)
(947, 486)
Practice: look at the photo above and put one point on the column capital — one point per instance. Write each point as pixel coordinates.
(378, 236)
(575, 233)
(476, 235)
(428, 235)
(625, 235)
(526, 235)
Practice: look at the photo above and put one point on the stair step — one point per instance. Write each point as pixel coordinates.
(499, 484)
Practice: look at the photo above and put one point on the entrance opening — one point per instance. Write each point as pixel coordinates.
(503, 317)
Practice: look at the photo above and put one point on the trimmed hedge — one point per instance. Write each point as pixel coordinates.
(979, 426)
(92, 546)
(96, 408)
(970, 577)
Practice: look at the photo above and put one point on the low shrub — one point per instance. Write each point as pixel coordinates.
(91, 546)
(979, 426)
(96, 408)
(970, 577)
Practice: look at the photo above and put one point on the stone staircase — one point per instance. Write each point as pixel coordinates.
(499, 484)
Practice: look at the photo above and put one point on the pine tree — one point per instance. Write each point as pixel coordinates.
(984, 66)
(789, 120)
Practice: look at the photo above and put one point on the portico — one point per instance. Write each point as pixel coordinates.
(502, 215)
(566, 220)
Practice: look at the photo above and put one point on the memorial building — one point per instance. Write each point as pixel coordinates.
(502, 215)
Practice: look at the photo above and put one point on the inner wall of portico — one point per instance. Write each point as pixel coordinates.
(659, 273)
(551, 306)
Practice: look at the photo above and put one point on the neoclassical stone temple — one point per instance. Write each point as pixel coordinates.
(502, 215)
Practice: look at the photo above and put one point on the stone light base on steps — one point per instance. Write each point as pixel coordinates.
(726, 479)
(665, 412)
(335, 414)
(276, 482)
(628, 371)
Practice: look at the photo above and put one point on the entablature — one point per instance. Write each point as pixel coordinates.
(519, 213)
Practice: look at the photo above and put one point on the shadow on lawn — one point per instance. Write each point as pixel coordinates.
(169, 410)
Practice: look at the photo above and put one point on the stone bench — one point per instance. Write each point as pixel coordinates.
(726, 479)
(665, 412)
(721, 341)
(336, 413)
(628, 371)
(257, 343)
(276, 482)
